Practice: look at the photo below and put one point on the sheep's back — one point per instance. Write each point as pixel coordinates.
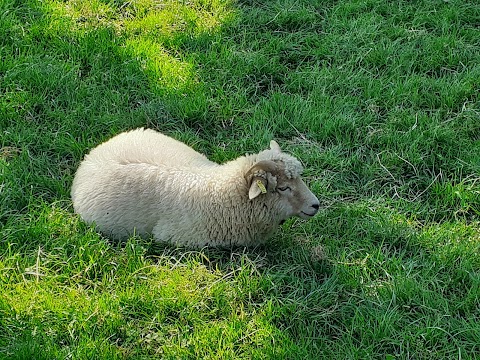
(150, 147)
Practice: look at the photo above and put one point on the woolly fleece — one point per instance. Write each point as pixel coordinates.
(143, 182)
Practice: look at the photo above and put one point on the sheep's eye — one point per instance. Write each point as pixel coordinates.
(284, 188)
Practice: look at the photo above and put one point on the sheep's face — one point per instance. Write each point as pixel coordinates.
(278, 184)
(293, 198)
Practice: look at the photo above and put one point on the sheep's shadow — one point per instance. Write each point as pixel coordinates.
(284, 280)
(280, 252)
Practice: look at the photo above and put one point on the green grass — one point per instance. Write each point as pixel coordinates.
(379, 99)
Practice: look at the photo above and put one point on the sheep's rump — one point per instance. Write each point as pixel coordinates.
(122, 185)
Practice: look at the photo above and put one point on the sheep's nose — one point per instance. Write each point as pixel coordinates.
(316, 206)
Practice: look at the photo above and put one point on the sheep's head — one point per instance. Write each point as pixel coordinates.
(275, 180)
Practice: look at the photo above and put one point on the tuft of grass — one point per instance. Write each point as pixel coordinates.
(379, 99)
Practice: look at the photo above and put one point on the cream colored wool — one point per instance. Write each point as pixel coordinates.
(143, 182)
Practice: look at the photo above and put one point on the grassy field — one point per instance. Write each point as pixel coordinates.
(379, 99)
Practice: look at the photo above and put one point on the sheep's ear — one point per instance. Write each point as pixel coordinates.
(257, 187)
(274, 146)
(257, 177)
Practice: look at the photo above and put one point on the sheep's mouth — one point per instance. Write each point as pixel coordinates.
(306, 215)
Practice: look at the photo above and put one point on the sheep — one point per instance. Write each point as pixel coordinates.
(145, 183)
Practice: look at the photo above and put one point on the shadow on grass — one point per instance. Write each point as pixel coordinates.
(79, 75)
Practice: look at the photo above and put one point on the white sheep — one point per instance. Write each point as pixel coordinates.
(143, 182)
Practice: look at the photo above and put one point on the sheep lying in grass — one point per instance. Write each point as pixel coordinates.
(143, 182)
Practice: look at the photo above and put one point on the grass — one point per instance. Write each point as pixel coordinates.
(379, 99)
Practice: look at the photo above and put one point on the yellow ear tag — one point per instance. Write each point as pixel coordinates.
(261, 187)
